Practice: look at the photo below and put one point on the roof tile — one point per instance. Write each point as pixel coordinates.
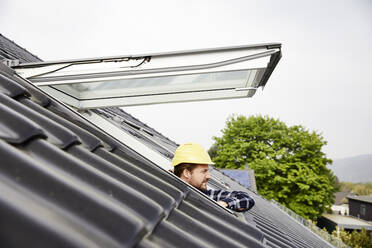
(56, 133)
(10, 88)
(14, 128)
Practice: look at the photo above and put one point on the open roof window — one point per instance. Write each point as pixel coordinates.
(208, 74)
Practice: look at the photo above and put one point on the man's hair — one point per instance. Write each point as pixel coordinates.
(183, 166)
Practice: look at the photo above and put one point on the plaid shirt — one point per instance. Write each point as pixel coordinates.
(236, 200)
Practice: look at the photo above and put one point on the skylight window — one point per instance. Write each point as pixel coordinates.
(232, 72)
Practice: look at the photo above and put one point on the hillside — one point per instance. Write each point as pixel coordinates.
(353, 169)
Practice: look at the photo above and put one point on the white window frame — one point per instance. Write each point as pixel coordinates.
(68, 79)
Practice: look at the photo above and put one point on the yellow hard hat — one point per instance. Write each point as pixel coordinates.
(191, 153)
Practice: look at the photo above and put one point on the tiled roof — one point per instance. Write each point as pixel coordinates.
(66, 183)
(10, 50)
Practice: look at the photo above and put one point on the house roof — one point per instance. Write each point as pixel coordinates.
(339, 197)
(348, 222)
(10, 50)
(362, 198)
(67, 183)
(62, 177)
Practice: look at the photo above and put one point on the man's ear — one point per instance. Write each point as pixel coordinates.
(186, 173)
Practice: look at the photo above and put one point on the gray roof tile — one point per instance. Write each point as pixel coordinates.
(10, 50)
(14, 128)
(10, 88)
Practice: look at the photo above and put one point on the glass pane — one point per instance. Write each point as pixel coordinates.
(160, 85)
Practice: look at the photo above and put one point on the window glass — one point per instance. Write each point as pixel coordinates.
(159, 85)
(362, 209)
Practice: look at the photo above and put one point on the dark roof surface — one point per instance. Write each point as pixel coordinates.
(363, 198)
(339, 197)
(10, 50)
(66, 183)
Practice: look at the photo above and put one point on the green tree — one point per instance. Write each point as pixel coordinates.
(357, 188)
(288, 162)
(356, 239)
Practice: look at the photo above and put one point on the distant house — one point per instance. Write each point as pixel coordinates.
(360, 207)
(350, 212)
(335, 222)
(341, 204)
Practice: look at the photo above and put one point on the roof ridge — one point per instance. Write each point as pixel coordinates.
(24, 49)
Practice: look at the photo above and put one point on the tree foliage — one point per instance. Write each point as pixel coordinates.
(288, 162)
(357, 188)
(356, 239)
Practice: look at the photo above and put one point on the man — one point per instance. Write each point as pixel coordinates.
(191, 162)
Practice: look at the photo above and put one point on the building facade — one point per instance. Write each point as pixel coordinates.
(361, 207)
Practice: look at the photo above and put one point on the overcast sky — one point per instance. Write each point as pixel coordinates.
(322, 82)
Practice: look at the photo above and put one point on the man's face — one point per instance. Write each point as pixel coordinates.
(200, 176)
